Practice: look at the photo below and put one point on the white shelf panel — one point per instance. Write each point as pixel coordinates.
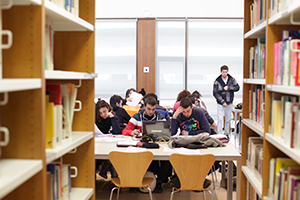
(26, 2)
(253, 180)
(279, 144)
(62, 20)
(19, 84)
(283, 17)
(254, 126)
(257, 32)
(14, 172)
(78, 138)
(57, 74)
(255, 81)
(284, 89)
(81, 193)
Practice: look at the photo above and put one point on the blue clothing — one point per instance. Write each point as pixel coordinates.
(195, 124)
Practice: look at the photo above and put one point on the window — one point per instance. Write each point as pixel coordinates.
(211, 44)
(115, 57)
(170, 59)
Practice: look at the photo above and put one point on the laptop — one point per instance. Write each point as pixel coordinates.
(157, 129)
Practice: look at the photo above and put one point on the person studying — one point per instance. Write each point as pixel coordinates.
(134, 128)
(191, 121)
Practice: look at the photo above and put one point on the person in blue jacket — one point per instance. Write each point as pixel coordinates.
(191, 121)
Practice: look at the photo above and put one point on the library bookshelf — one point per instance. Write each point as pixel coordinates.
(23, 161)
(271, 28)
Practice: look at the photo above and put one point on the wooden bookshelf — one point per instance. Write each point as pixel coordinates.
(273, 147)
(24, 160)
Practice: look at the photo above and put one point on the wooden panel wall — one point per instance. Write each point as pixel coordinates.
(146, 54)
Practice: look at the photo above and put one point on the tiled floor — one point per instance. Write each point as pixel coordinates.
(103, 188)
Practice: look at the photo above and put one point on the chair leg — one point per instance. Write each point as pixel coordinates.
(112, 192)
(118, 193)
(211, 194)
(173, 191)
(204, 195)
(212, 175)
(215, 173)
(150, 193)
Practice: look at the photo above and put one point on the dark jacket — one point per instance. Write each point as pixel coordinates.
(122, 115)
(225, 96)
(109, 125)
(195, 124)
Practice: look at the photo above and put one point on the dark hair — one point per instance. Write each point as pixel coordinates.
(192, 98)
(115, 99)
(182, 94)
(142, 92)
(186, 102)
(196, 94)
(150, 100)
(151, 95)
(224, 67)
(128, 91)
(101, 104)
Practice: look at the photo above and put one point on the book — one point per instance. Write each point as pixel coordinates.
(52, 169)
(50, 137)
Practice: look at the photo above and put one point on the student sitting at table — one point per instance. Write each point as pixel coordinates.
(106, 122)
(134, 127)
(162, 110)
(116, 103)
(191, 121)
(210, 120)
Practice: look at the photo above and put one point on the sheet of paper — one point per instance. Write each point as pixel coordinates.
(135, 149)
(135, 99)
(109, 139)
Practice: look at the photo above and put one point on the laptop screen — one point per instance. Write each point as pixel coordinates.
(156, 128)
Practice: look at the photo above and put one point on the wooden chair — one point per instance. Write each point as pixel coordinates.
(191, 171)
(131, 168)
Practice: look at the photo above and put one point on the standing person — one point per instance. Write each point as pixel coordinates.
(116, 103)
(191, 121)
(224, 88)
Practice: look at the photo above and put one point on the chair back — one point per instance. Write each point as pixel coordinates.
(131, 166)
(192, 169)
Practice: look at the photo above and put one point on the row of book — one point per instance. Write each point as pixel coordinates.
(284, 179)
(71, 6)
(257, 59)
(286, 59)
(255, 156)
(251, 193)
(276, 6)
(256, 103)
(257, 12)
(285, 119)
(58, 181)
(49, 37)
(60, 107)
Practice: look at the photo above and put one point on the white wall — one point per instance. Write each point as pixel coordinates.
(169, 8)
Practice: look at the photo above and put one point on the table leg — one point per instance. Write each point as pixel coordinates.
(238, 175)
(229, 180)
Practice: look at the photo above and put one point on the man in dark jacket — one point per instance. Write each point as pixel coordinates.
(224, 88)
